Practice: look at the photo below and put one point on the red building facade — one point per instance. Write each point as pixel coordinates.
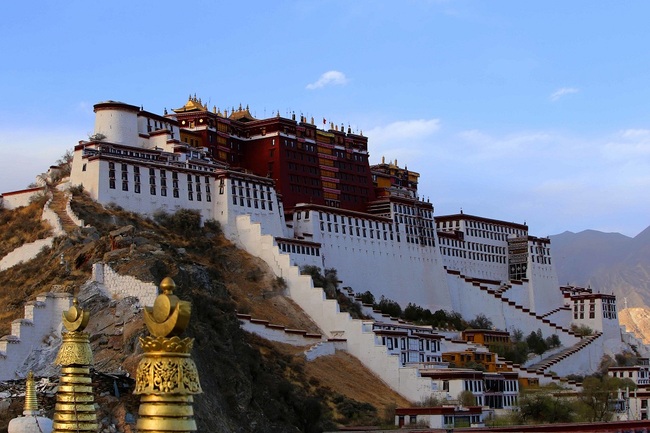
(308, 165)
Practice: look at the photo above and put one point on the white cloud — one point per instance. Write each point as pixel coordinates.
(562, 92)
(406, 139)
(329, 78)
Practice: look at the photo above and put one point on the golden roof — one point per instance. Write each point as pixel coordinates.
(193, 104)
(242, 114)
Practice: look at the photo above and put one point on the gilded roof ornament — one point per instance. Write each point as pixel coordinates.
(75, 319)
(169, 316)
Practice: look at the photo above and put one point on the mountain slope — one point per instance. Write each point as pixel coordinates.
(607, 262)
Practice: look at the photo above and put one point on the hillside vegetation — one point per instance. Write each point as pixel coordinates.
(22, 226)
(249, 384)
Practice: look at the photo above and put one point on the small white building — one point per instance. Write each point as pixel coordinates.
(440, 417)
(413, 344)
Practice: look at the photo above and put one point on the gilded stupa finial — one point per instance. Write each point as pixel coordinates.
(167, 378)
(75, 402)
(169, 316)
(31, 404)
(75, 319)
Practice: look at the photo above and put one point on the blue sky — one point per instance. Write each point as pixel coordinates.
(533, 112)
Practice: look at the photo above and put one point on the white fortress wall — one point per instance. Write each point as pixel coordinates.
(248, 196)
(543, 287)
(121, 286)
(52, 218)
(94, 175)
(561, 317)
(14, 199)
(326, 315)
(24, 253)
(279, 333)
(42, 318)
(28, 251)
(397, 270)
(118, 123)
(585, 361)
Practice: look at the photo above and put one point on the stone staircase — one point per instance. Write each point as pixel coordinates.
(498, 293)
(59, 205)
(555, 310)
(547, 363)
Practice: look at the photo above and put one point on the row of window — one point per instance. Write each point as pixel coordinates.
(299, 249)
(250, 194)
(495, 228)
(423, 344)
(192, 192)
(358, 231)
(410, 210)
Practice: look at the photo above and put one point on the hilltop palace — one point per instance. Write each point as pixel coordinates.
(283, 188)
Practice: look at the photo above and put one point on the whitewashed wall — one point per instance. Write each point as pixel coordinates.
(42, 318)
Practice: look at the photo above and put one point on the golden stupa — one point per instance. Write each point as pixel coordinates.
(75, 403)
(167, 378)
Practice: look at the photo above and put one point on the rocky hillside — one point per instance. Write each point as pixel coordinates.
(250, 385)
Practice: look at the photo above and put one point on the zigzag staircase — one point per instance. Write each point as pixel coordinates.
(498, 294)
(547, 363)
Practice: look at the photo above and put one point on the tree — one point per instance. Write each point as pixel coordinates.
(598, 394)
(553, 341)
(541, 407)
(536, 342)
(625, 359)
(466, 398)
(606, 362)
(366, 297)
(65, 163)
(387, 306)
(328, 281)
(581, 330)
(481, 321)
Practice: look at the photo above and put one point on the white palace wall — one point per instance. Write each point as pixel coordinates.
(325, 313)
(401, 271)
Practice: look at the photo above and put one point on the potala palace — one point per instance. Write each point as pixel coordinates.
(294, 194)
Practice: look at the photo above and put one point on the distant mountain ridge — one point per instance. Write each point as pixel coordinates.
(607, 262)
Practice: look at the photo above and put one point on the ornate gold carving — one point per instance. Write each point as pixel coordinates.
(75, 350)
(167, 377)
(164, 376)
(160, 344)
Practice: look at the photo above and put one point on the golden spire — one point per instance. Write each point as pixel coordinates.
(75, 403)
(31, 404)
(31, 421)
(167, 378)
